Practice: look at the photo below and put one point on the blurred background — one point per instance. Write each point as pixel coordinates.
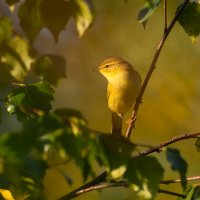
(171, 101)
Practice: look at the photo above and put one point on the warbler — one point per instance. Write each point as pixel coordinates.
(124, 84)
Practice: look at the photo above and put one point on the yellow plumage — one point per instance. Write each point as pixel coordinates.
(124, 84)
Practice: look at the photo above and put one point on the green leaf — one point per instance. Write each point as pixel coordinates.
(5, 31)
(83, 15)
(189, 19)
(50, 67)
(147, 11)
(192, 192)
(30, 18)
(197, 144)
(16, 55)
(177, 164)
(30, 100)
(33, 176)
(54, 15)
(117, 155)
(144, 175)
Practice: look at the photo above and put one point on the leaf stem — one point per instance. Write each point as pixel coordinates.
(151, 69)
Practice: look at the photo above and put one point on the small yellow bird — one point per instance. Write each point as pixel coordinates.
(124, 84)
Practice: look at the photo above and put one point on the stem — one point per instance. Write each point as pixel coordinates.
(151, 69)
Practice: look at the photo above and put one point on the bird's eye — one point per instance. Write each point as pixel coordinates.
(106, 66)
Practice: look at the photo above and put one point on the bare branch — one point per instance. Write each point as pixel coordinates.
(172, 193)
(99, 179)
(165, 15)
(167, 143)
(193, 178)
(102, 186)
(151, 69)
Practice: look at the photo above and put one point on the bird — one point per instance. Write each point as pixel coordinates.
(124, 85)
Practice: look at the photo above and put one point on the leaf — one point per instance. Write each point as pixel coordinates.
(50, 67)
(83, 15)
(54, 15)
(197, 144)
(117, 152)
(16, 55)
(30, 18)
(6, 194)
(192, 192)
(30, 100)
(35, 170)
(5, 31)
(177, 164)
(189, 19)
(147, 11)
(144, 175)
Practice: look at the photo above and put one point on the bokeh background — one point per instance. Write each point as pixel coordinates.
(171, 101)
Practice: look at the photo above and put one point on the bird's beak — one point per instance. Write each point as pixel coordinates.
(96, 69)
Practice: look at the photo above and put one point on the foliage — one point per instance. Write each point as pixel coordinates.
(28, 82)
(177, 164)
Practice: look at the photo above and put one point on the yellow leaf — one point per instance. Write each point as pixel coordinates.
(6, 194)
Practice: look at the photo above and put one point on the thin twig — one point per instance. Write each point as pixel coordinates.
(193, 178)
(165, 15)
(171, 141)
(151, 69)
(172, 193)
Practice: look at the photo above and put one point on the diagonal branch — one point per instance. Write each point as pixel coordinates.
(151, 69)
(165, 15)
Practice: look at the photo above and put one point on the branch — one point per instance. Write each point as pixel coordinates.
(165, 16)
(172, 193)
(171, 141)
(97, 183)
(193, 178)
(95, 187)
(99, 179)
(151, 69)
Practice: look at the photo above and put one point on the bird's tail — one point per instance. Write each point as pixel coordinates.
(116, 124)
